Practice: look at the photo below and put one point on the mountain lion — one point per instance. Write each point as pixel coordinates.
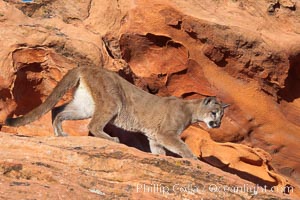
(107, 98)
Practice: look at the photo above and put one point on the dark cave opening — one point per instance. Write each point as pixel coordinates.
(25, 93)
(291, 91)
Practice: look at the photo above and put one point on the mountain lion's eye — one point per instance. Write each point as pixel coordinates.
(214, 113)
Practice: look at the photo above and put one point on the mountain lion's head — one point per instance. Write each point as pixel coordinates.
(212, 112)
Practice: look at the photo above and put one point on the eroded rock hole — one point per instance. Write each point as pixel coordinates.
(25, 90)
(162, 41)
(289, 96)
(291, 91)
(5, 94)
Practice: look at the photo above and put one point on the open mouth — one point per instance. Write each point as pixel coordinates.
(213, 124)
(209, 125)
(216, 126)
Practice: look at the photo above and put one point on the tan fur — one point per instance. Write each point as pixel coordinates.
(107, 98)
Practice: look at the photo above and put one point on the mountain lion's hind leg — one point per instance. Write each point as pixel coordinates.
(66, 112)
(101, 117)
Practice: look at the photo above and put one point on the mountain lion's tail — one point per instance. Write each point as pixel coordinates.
(68, 81)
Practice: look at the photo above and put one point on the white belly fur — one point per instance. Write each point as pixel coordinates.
(83, 101)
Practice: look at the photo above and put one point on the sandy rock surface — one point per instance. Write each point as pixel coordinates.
(91, 168)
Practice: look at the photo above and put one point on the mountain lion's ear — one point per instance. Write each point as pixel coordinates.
(208, 100)
(225, 105)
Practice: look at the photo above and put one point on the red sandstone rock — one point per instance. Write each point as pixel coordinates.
(235, 158)
(93, 168)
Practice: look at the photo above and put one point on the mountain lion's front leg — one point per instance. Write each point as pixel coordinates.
(172, 142)
(156, 148)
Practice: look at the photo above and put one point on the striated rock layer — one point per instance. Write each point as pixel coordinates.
(247, 53)
(91, 168)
